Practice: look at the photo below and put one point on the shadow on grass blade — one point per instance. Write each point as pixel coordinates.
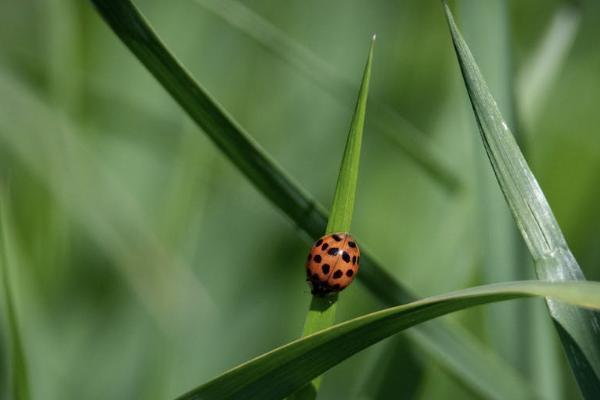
(579, 329)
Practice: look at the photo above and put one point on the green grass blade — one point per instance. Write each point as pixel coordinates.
(322, 310)
(19, 382)
(577, 328)
(283, 370)
(342, 208)
(267, 177)
(320, 316)
(386, 121)
(542, 69)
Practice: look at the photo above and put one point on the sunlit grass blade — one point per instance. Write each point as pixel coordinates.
(19, 380)
(283, 370)
(578, 329)
(322, 310)
(386, 121)
(269, 178)
(542, 68)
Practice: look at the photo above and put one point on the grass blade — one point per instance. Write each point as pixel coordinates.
(321, 314)
(283, 370)
(385, 121)
(578, 329)
(270, 180)
(541, 70)
(19, 382)
(342, 208)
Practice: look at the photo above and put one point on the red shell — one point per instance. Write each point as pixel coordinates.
(332, 264)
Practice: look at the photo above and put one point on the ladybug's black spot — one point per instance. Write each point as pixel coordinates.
(315, 277)
(325, 268)
(349, 273)
(318, 242)
(352, 244)
(346, 257)
(353, 259)
(336, 237)
(333, 251)
(338, 274)
(317, 258)
(324, 247)
(336, 287)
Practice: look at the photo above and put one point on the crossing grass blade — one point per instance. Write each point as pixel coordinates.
(578, 329)
(281, 371)
(385, 120)
(19, 381)
(299, 206)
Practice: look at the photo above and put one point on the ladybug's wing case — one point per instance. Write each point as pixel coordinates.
(332, 263)
(347, 266)
(321, 259)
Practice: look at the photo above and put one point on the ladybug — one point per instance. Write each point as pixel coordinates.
(332, 263)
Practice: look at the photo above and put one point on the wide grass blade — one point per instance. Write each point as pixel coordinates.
(269, 179)
(579, 329)
(386, 121)
(19, 380)
(283, 370)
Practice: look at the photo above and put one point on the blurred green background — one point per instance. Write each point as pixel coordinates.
(144, 264)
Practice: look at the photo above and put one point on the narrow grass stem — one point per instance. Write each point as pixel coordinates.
(321, 314)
